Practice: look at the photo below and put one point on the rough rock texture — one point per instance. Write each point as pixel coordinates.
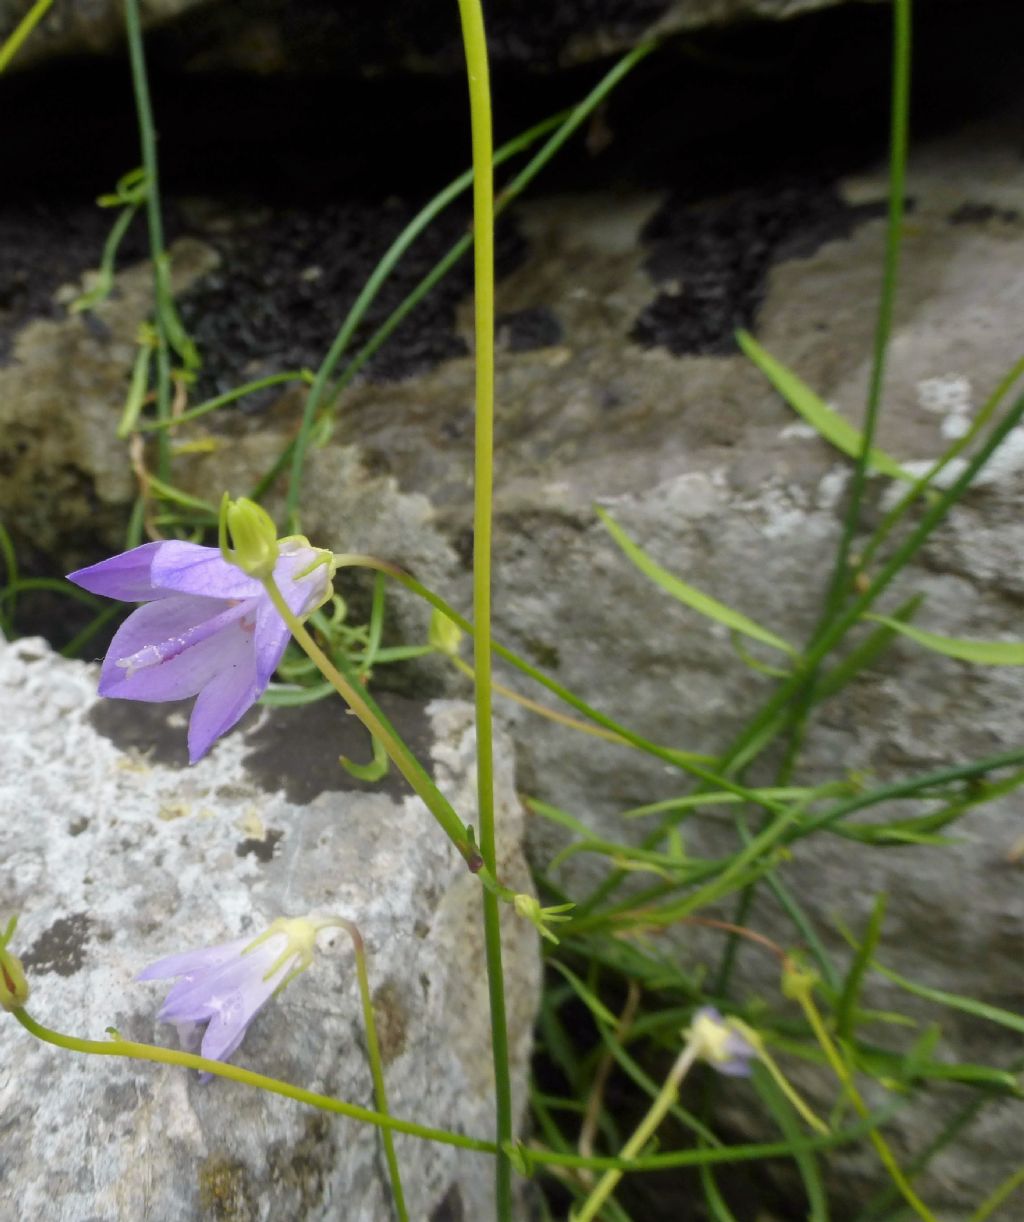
(115, 853)
(616, 383)
(265, 36)
(52, 457)
(705, 466)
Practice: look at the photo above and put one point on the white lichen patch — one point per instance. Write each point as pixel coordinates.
(831, 487)
(798, 429)
(948, 396)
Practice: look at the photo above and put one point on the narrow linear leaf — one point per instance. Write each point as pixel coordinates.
(692, 597)
(850, 994)
(277, 696)
(985, 653)
(785, 1117)
(865, 654)
(981, 1009)
(827, 423)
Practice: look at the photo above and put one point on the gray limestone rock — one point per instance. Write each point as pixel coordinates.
(61, 473)
(115, 853)
(707, 469)
(628, 395)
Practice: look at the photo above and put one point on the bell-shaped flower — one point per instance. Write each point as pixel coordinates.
(722, 1042)
(225, 986)
(205, 628)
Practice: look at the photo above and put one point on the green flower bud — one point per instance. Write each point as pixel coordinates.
(444, 635)
(253, 534)
(13, 985)
(530, 910)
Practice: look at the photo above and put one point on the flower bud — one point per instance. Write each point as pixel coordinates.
(253, 534)
(13, 985)
(530, 910)
(445, 636)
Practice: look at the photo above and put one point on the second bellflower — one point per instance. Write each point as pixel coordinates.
(204, 629)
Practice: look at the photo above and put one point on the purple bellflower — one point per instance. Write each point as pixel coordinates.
(722, 1043)
(205, 628)
(225, 986)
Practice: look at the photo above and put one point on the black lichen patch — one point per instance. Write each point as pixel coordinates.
(61, 949)
(156, 731)
(450, 1208)
(225, 1192)
(262, 849)
(285, 274)
(47, 244)
(712, 258)
(297, 749)
(525, 330)
(981, 214)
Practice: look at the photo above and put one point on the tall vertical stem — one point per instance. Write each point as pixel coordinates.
(475, 42)
(147, 138)
(898, 137)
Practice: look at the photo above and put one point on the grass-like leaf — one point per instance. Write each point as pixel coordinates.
(965, 649)
(690, 595)
(836, 430)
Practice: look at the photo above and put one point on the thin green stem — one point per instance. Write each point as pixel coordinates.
(534, 1157)
(397, 751)
(1001, 1193)
(772, 716)
(881, 1203)
(118, 1047)
(899, 124)
(566, 123)
(376, 1065)
(683, 760)
(230, 396)
(105, 279)
(635, 909)
(912, 494)
(147, 136)
(838, 628)
(12, 45)
(11, 565)
(839, 1067)
(477, 69)
(841, 574)
(644, 1132)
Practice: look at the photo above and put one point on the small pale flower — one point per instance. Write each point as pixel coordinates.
(721, 1043)
(225, 986)
(205, 628)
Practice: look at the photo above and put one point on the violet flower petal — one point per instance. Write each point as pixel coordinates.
(189, 568)
(228, 1026)
(205, 628)
(157, 637)
(127, 576)
(191, 962)
(229, 694)
(201, 995)
(270, 640)
(300, 578)
(228, 996)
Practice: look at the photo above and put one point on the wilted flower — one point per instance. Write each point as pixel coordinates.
(721, 1043)
(205, 629)
(225, 986)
